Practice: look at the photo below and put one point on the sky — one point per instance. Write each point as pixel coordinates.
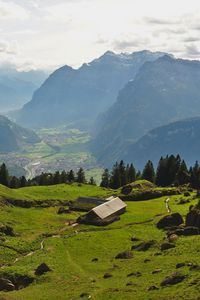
(45, 34)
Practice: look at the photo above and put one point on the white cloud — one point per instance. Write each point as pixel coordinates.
(12, 11)
(53, 32)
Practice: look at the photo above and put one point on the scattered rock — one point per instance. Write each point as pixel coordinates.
(157, 254)
(156, 271)
(166, 246)
(173, 279)
(42, 269)
(130, 283)
(187, 194)
(134, 239)
(6, 285)
(7, 230)
(127, 189)
(83, 295)
(124, 255)
(153, 288)
(180, 265)
(136, 274)
(107, 275)
(195, 268)
(147, 260)
(173, 238)
(95, 259)
(144, 246)
(63, 210)
(174, 219)
(190, 230)
(183, 201)
(193, 218)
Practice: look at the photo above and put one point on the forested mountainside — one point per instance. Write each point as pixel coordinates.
(163, 91)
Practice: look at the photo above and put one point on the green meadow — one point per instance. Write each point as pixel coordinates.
(42, 235)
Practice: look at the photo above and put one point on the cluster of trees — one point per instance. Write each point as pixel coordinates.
(171, 170)
(43, 179)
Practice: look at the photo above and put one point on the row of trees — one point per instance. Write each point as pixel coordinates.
(171, 170)
(43, 179)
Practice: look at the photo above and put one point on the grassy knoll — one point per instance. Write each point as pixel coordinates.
(69, 251)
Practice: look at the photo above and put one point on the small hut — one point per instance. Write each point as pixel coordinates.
(104, 213)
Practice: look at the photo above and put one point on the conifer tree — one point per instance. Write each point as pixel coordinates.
(105, 180)
(22, 181)
(71, 176)
(4, 176)
(182, 176)
(92, 181)
(14, 182)
(63, 177)
(131, 173)
(122, 173)
(115, 181)
(148, 172)
(56, 177)
(81, 176)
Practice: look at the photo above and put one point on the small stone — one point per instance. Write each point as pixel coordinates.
(153, 288)
(107, 275)
(180, 265)
(156, 271)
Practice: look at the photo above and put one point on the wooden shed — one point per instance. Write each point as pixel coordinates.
(105, 213)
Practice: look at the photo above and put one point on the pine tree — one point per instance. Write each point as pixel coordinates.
(14, 182)
(4, 176)
(81, 176)
(115, 181)
(63, 177)
(105, 180)
(71, 176)
(22, 181)
(195, 176)
(56, 177)
(92, 181)
(182, 176)
(131, 173)
(122, 173)
(148, 172)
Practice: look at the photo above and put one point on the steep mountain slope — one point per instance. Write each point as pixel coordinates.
(78, 96)
(17, 87)
(163, 91)
(12, 136)
(181, 137)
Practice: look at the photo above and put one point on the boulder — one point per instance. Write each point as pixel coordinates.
(144, 246)
(166, 246)
(127, 189)
(63, 210)
(6, 285)
(193, 218)
(42, 269)
(180, 265)
(190, 230)
(153, 288)
(7, 230)
(173, 279)
(174, 219)
(124, 255)
(107, 275)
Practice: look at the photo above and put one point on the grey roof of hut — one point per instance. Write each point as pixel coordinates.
(109, 208)
(91, 200)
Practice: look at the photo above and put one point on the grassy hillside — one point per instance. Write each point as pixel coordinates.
(45, 236)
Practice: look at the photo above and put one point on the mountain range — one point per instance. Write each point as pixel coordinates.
(13, 137)
(163, 91)
(77, 96)
(17, 87)
(181, 137)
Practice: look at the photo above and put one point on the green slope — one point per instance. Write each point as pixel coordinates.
(69, 251)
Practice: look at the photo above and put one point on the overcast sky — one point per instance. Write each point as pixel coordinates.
(50, 33)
